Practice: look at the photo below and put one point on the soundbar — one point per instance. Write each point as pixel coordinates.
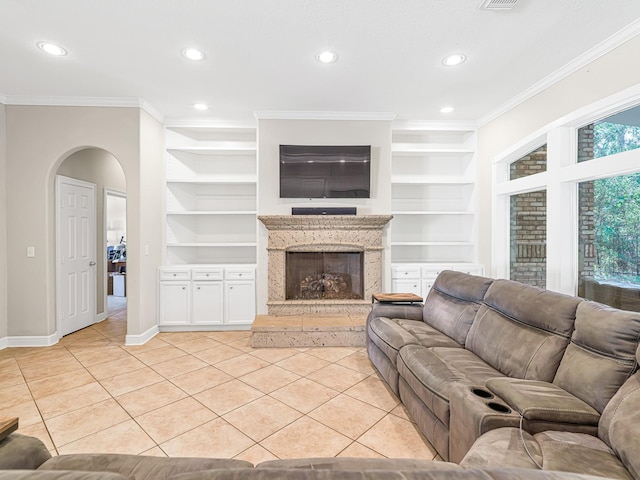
(323, 211)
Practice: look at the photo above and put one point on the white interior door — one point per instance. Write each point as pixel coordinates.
(76, 232)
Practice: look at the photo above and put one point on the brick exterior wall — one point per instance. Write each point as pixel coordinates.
(528, 262)
(586, 224)
(528, 259)
(535, 162)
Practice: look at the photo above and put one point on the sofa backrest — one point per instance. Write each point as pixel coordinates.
(453, 301)
(620, 423)
(522, 330)
(601, 355)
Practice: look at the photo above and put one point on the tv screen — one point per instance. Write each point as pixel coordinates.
(320, 171)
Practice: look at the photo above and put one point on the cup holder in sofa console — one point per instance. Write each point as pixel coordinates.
(498, 407)
(482, 393)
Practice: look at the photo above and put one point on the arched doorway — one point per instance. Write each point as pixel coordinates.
(97, 167)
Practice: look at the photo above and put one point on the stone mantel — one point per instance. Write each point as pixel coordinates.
(330, 233)
(325, 222)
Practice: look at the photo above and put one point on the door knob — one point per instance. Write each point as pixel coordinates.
(91, 264)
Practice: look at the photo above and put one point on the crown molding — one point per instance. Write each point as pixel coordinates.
(424, 125)
(293, 115)
(208, 122)
(614, 41)
(123, 102)
(151, 110)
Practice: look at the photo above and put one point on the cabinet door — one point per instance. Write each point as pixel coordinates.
(174, 303)
(239, 302)
(406, 286)
(426, 287)
(206, 303)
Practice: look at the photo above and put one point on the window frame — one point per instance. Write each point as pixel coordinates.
(560, 180)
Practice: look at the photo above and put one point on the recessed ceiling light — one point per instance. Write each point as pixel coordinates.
(447, 109)
(193, 54)
(453, 60)
(327, 57)
(201, 106)
(52, 49)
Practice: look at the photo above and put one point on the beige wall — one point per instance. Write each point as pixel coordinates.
(38, 140)
(148, 244)
(101, 168)
(3, 229)
(273, 133)
(605, 76)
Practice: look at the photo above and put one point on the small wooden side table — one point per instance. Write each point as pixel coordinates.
(8, 425)
(395, 298)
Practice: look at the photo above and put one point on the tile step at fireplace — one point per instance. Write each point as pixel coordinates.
(283, 331)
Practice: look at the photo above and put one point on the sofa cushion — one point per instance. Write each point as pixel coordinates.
(358, 464)
(19, 451)
(58, 475)
(521, 330)
(431, 373)
(296, 474)
(553, 450)
(453, 301)
(579, 453)
(601, 355)
(391, 334)
(503, 447)
(138, 467)
(620, 424)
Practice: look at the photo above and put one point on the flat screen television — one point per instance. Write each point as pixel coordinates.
(321, 171)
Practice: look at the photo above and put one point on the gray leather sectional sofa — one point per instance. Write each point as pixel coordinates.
(26, 458)
(514, 360)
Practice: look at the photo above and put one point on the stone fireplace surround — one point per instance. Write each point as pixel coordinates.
(323, 233)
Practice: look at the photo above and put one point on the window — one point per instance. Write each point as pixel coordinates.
(534, 162)
(614, 134)
(609, 241)
(567, 214)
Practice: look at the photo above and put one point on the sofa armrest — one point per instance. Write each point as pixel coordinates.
(411, 311)
(543, 401)
(22, 452)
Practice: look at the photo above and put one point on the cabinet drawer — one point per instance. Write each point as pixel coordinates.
(471, 269)
(207, 274)
(175, 274)
(432, 271)
(405, 271)
(239, 273)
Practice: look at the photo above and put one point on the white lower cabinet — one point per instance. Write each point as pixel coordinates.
(239, 301)
(402, 285)
(174, 302)
(207, 303)
(418, 278)
(206, 297)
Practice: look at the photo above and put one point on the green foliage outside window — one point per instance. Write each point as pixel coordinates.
(617, 209)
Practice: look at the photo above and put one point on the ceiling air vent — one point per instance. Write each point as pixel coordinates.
(498, 4)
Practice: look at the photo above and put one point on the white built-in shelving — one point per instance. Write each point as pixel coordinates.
(211, 185)
(433, 191)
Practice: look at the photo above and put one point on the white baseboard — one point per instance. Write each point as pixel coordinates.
(132, 340)
(4, 342)
(33, 341)
(102, 316)
(205, 328)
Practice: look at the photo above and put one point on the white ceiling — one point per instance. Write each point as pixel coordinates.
(260, 53)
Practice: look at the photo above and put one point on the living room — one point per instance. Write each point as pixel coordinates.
(40, 129)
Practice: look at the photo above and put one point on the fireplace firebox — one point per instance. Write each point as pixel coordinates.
(324, 275)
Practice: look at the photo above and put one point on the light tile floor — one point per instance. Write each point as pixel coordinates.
(203, 394)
